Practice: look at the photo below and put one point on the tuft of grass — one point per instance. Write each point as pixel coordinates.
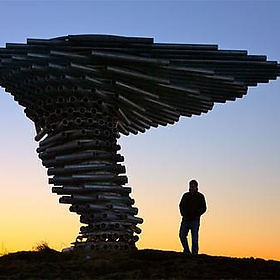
(42, 246)
(4, 250)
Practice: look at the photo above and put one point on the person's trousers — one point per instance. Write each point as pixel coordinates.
(185, 227)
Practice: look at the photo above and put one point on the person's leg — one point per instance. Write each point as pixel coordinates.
(183, 234)
(194, 232)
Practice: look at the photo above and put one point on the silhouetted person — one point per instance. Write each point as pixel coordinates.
(192, 206)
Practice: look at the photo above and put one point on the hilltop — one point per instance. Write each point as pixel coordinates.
(141, 264)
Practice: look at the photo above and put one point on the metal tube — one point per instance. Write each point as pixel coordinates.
(52, 140)
(133, 89)
(85, 143)
(129, 74)
(41, 134)
(88, 178)
(96, 207)
(91, 218)
(107, 188)
(67, 189)
(115, 198)
(123, 117)
(136, 229)
(132, 210)
(86, 167)
(133, 219)
(128, 58)
(80, 156)
(77, 198)
(61, 148)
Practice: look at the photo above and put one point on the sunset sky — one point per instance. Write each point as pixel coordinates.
(233, 151)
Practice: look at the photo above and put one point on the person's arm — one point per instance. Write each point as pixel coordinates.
(203, 206)
(182, 205)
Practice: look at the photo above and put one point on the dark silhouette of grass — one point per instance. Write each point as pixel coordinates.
(47, 263)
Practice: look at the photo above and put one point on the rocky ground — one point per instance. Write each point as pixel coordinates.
(142, 264)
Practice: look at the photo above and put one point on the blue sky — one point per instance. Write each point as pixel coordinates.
(233, 151)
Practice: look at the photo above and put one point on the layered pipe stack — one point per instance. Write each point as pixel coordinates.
(83, 91)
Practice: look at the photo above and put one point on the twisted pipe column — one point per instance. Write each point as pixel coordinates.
(81, 154)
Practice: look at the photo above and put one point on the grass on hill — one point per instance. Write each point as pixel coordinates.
(46, 263)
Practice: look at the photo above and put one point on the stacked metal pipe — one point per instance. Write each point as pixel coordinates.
(83, 91)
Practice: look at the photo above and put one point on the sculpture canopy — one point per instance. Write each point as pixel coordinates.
(144, 84)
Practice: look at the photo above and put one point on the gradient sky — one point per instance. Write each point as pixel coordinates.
(233, 151)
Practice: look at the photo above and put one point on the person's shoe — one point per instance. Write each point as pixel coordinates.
(187, 253)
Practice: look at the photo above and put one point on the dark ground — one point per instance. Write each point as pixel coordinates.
(142, 264)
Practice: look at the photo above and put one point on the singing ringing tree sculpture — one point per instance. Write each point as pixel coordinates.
(83, 91)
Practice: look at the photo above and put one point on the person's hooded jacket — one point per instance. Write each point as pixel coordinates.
(192, 206)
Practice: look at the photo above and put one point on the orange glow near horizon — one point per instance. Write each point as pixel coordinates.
(229, 233)
(234, 224)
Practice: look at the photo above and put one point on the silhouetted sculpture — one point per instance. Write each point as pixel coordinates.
(83, 91)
